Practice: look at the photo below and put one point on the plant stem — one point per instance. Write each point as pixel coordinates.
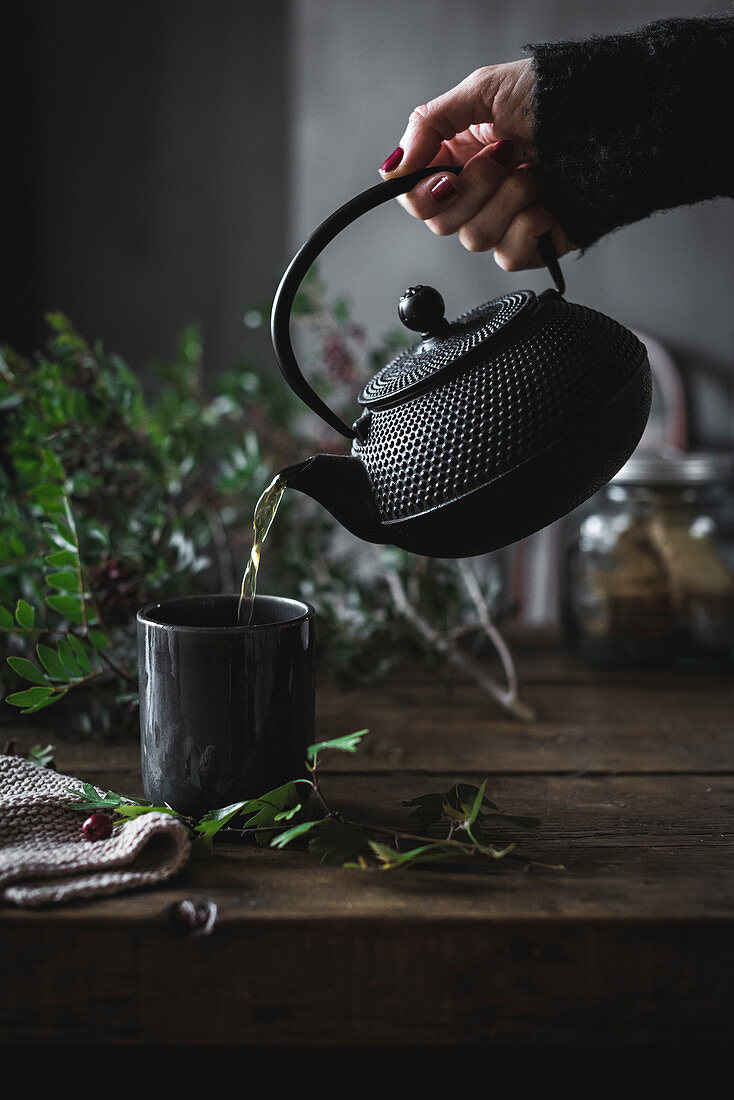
(119, 669)
(80, 576)
(225, 562)
(446, 645)
(398, 834)
(320, 795)
(471, 583)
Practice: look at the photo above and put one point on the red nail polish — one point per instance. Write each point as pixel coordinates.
(503, 153)
(445, 189)
(392, 161)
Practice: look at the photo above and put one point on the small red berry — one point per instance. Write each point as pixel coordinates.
(97, 827)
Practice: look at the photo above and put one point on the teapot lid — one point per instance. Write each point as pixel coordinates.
(445, 347)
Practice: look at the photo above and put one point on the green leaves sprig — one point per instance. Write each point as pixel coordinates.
(279, 818)
(66, 613)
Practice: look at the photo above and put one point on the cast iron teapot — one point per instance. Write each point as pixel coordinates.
(489, 428)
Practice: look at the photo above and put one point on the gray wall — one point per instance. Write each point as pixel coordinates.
(169, 154)
(359, 68)
(150, 168)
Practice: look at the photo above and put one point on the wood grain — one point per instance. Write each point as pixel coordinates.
(632, 943)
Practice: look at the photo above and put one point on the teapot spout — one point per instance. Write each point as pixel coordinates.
(341, 484)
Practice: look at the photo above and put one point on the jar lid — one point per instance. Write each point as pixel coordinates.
(674, 467)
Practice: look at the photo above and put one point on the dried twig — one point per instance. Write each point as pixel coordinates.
(445, 643)
(225, 561)
(472, 586)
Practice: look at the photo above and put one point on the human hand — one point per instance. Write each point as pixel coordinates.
(484, 124)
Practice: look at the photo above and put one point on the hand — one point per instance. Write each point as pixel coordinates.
(485, 124)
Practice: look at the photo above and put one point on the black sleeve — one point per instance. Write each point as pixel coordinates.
(627, 124)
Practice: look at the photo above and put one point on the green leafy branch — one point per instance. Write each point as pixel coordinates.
(278, 819)
(75, 658)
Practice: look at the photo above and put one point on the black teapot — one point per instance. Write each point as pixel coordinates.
(486, 430)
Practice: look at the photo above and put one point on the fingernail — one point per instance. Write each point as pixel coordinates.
(392, 161)
(445, 189)
(503, 152)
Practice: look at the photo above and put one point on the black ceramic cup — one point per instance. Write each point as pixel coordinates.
(226, 711)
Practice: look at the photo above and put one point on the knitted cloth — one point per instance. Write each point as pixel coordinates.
(45, 857)
(627, 124)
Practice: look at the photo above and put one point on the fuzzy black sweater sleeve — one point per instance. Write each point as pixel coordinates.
(627, 124)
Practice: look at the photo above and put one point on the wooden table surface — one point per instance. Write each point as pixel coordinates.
(633, 943)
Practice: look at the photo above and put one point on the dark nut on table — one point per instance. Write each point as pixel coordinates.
(196, 916)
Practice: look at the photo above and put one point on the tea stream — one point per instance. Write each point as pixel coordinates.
(262, 520)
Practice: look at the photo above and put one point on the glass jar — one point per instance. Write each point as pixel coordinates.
(648, 576)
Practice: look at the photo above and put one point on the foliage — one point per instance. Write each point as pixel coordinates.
(279, 818)
(110, 499)
(41, 755)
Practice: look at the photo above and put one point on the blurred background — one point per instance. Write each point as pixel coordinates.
(164, 159)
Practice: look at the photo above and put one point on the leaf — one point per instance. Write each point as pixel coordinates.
(80, 652)
(428, 811)
(341, 309)
(30, 697)
(125, 809)
(453, 814)
(6, 619)
(500, 853)
(51, 661)
(66, 653)
(96, 533)
(51, 464)
(41, 755)
(295, 831)
(52, 699)
(62, 536)
(456, 804)
(25, 615)
(425, 853)
(68, 606)
(287, 815)
(384, 852)
(89, 799)
(98, 639)
(477, 803)
(261, 813)
(349, 743)
(461, 794)
(336, 842)
(67, 582)
(27, 670)
(360, 864)
(62, 557)
(215, 820)
(48, 497)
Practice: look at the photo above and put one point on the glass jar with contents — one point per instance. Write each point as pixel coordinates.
(648, 577)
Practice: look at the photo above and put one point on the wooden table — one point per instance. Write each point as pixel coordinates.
(633, 943)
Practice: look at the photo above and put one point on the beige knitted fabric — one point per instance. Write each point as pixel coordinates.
(45, 857)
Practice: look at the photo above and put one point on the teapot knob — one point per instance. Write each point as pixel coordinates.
(421, 308)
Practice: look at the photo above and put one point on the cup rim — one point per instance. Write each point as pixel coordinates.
(144, 615)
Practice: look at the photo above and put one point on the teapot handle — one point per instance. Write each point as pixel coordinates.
(548, 255)
(314, 246)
